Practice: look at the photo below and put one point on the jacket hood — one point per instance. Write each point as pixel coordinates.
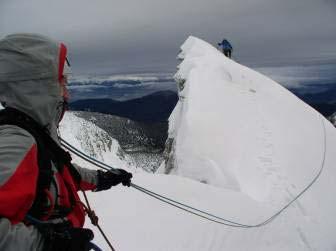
(31, 67)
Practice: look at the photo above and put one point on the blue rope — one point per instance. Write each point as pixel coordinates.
(192, 210)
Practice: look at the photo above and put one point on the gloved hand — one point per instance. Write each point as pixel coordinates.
(108, 179)
(62, 237)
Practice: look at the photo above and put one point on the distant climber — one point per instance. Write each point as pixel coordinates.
(226, 48)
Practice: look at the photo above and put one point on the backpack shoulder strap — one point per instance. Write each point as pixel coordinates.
(47, 150)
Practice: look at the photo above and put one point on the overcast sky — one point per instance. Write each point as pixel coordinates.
(126, 36)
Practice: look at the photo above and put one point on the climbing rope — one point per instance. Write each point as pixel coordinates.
(94, 219)
(87, 158)
(195, 211)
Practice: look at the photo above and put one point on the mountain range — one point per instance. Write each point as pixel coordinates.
(155, 107)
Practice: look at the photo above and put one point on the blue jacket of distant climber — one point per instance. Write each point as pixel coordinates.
(225, 45)
(226, 48)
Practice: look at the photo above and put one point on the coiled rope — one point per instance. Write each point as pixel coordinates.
(198, 212)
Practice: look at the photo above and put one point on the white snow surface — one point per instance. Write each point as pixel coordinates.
(238, 130)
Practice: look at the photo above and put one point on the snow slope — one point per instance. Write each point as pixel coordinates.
(254, 144)
(95, 142)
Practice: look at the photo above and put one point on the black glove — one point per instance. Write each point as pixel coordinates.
(108, 179)
(62, 237)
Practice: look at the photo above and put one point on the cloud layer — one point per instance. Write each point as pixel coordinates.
(144, 35)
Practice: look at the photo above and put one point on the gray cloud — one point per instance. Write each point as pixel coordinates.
(145, 35)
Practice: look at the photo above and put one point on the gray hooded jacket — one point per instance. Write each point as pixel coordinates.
(30, 68)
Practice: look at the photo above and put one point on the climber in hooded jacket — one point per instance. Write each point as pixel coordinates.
(33, 86)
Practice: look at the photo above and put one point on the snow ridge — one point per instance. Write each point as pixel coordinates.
(243, 115)
(236, 129)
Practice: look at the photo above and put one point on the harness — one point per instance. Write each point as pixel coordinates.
(48, 151)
